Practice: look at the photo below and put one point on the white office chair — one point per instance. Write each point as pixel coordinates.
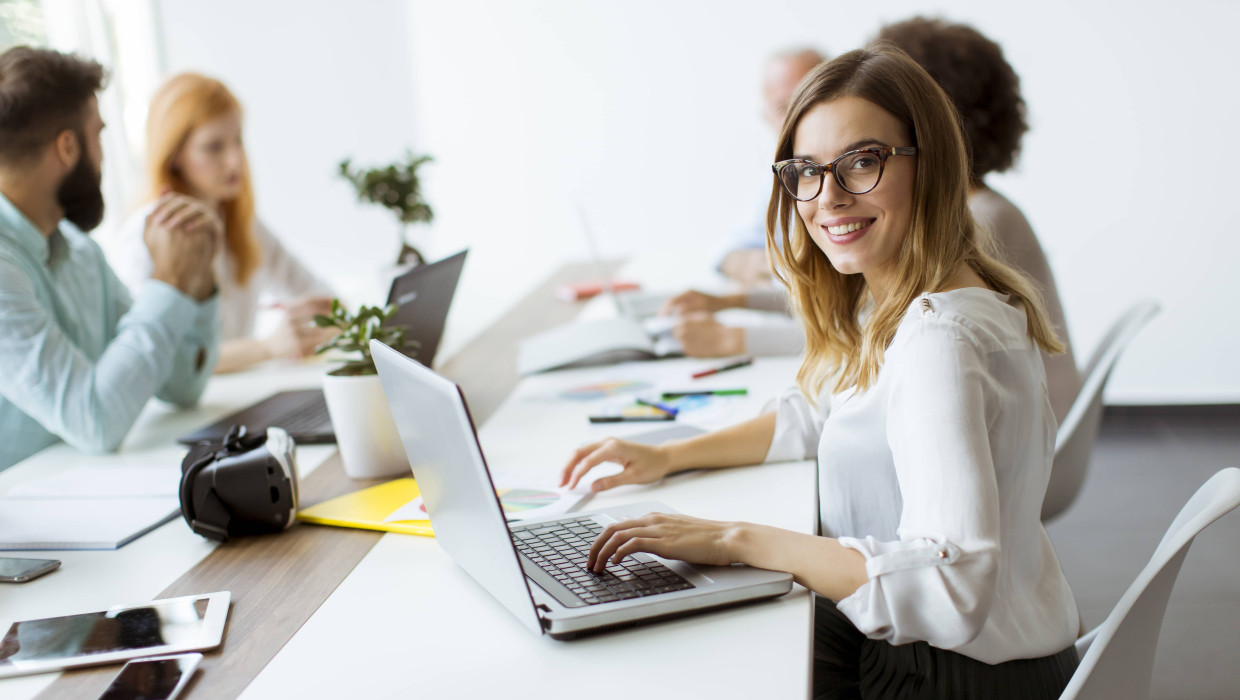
(1075, 441)
(1117, 657)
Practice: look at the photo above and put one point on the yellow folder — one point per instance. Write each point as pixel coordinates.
(367, 508)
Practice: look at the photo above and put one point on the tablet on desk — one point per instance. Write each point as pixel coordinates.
(169, 626)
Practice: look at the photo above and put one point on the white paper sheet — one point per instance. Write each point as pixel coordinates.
(103, 482)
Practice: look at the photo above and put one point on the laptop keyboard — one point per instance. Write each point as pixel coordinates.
(303, 413)
(305, 420)
(561, 549)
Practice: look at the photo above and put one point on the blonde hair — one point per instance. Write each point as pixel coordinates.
(182, 104)
(941, 236)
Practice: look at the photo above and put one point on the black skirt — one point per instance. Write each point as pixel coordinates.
(847, 664)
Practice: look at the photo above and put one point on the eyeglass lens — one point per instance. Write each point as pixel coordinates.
(857, 173)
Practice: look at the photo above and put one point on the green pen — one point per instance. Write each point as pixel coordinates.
(705, 392)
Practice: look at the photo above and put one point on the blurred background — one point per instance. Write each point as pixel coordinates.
(647, 117)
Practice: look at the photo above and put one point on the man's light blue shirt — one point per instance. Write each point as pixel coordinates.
(78, 357)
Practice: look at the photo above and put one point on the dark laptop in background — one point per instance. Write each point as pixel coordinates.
(422, 296)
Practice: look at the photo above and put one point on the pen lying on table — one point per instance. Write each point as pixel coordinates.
(716, 370)
(704, 392)
(631, 419)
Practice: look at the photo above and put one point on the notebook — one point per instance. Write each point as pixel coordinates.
(79, 523)
(636, 333)
(370, 508)
(98, 507)
(603, 341)
(535, 568)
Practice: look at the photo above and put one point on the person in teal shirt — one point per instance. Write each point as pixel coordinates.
(79, 358)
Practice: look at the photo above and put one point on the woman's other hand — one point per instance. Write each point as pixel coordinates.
(643, 464)
(702, 336)
(305, 308)
(297, 337)
(665, 535)
(694, 301)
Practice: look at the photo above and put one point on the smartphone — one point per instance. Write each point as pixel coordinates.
(16, 570)
(155, 678)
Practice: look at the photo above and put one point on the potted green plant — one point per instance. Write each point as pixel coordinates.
(369, 445)
(396, 187)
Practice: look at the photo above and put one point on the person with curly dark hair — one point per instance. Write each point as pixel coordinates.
(985, 89)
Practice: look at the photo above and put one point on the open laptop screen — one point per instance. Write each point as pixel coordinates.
(452, 475)
(423, 296)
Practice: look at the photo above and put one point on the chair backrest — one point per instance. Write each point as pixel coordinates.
(1118, 657)
(1074, 442)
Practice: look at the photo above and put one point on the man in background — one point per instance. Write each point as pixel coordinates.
(78, 357)
(745, 263)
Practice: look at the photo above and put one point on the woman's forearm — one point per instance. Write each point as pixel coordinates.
(241, 353)
(821, 564)
(742, 444)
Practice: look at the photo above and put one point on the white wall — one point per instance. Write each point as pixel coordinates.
(536, 108)
(1127, 175)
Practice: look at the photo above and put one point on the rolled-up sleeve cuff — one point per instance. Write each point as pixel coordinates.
(922, 589)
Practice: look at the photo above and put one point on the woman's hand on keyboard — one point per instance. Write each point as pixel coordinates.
(666, 535)
(643, 464)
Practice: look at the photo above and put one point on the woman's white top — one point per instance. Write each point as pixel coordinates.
(280, 275)
(936, 474)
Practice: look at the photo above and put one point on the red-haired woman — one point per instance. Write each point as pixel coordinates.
(194, 146)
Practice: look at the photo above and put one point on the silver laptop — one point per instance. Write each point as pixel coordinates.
(536, 569)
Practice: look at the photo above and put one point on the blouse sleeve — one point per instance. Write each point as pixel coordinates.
(782, 337)
(285, 274)
(937, 582)
(798, 426)
(768, 299)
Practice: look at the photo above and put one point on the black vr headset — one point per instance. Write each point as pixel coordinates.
(245, 485)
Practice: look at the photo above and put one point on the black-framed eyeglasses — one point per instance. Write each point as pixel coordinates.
(857, 171)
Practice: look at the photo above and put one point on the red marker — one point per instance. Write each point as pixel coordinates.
(735, 365)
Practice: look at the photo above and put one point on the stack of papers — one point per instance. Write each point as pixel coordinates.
(88, 507)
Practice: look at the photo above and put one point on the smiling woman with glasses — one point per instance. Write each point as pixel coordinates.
(922, 395)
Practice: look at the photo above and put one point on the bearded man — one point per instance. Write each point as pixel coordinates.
(79, 358)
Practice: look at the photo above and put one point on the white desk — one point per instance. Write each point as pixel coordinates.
(409, 623)
(94, 580)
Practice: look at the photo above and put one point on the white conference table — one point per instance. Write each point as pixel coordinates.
(408, 622)
(138, 571)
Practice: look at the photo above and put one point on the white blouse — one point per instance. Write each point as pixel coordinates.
(936, 474)
(280, 275)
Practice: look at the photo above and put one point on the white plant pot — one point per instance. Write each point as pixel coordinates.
(369, 445)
